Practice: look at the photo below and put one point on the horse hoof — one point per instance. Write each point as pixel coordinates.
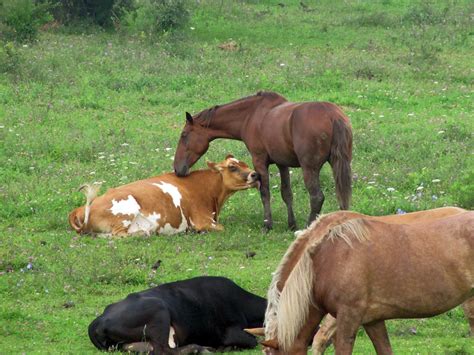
(266, 229)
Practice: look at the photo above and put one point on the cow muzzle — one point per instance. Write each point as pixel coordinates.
(254, 179)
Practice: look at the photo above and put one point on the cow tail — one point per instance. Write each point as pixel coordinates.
(79, 218)
(90, 191)
(94, 335)
(340, 160)
(76, 220)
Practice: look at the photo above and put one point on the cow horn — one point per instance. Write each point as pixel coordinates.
(255, 331)
(271, 343)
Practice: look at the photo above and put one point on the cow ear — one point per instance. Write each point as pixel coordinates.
(271, 343)
(229, 156)
(189, 118)
(214, 166)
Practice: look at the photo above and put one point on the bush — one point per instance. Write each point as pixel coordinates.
(21, 19)
(9, 58)
(156, 16)
(101, 12)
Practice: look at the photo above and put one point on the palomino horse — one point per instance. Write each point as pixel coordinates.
(311, 236)
(279, 132)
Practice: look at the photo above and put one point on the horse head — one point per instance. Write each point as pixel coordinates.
(193, 143)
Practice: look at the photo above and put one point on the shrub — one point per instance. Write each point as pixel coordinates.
(156, 16)
(101, 12)
(21, 19)
(9, 58)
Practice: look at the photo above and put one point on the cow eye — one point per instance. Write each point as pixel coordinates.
(233, 168)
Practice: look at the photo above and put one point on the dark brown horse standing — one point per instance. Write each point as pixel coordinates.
(279, 132)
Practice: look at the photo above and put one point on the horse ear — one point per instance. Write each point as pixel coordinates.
(189, 118)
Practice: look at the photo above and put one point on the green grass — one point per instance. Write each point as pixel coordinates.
(98, 106)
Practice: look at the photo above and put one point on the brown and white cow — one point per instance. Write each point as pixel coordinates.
(164, 204)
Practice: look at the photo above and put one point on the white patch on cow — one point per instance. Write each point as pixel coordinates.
(146, 224)
(128, 206)
(169, 229)
(171, 341)
(234, 160)
(126, 223)
(171, 190)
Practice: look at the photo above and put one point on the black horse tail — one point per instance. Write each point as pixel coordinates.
(340, 159)
(97, 335)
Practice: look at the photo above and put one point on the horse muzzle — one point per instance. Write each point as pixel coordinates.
(182, 170)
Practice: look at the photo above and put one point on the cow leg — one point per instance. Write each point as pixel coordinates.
(316, 196)
(261, 167)
(287, 195)
(236, 337)
(468, 307)
(158, 332)
(194, 349)
(203, 222)
(377, 332)
(138, 347)
(322, 339)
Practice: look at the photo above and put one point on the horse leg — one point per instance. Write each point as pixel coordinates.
(287, 195)
(303, 339)
(261, 167)
(325, 334)
(316, 196)
(468, 307)
(377, 332)
(348, 321)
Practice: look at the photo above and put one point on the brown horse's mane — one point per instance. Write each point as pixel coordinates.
(207, 114)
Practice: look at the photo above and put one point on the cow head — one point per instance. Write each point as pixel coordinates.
(236, 174)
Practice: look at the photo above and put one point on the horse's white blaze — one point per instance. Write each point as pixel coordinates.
(129, 206)
(171, 190)
(171, 341)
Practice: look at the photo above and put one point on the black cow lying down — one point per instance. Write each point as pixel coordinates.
(189, 316)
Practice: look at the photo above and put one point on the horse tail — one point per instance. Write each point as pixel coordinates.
(340, 160)
(79, 218)
(295, 300)
(96, 335)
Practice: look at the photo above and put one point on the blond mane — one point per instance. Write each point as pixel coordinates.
(273, 295)
(288, 310)
(354, 229)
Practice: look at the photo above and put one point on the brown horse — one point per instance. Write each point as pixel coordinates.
(279, 132)
(394, 261)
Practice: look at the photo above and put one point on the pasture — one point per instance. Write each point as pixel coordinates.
(84, 105)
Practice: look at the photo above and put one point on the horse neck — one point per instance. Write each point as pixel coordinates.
(228, 121)
(314, 233)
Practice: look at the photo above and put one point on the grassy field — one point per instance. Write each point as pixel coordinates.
(86, 105)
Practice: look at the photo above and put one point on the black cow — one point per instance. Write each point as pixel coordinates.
(181, 317)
